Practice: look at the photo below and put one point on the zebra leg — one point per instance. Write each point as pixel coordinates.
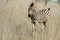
(44, 23)
(33, 25)
(33, 28)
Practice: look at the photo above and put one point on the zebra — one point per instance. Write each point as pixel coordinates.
(38, 16)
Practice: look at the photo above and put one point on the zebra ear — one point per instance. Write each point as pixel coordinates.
(32, 4)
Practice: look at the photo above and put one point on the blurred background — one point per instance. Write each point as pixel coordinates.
(55, 1)
(15, 24)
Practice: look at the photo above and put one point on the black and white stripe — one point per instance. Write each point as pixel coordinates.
(38, 16)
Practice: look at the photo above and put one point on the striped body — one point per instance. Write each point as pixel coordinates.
(40, 15)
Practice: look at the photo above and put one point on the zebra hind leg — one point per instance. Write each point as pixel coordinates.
(44, 23)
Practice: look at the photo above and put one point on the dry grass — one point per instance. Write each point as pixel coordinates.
(15, 25)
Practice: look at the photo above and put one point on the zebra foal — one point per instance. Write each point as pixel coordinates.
(38, 16)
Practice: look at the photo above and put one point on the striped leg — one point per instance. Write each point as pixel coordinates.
(44, 23)
(33, 25)
(33, 28)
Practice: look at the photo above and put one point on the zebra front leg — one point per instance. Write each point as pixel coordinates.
(33, 25)
(33, 29)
